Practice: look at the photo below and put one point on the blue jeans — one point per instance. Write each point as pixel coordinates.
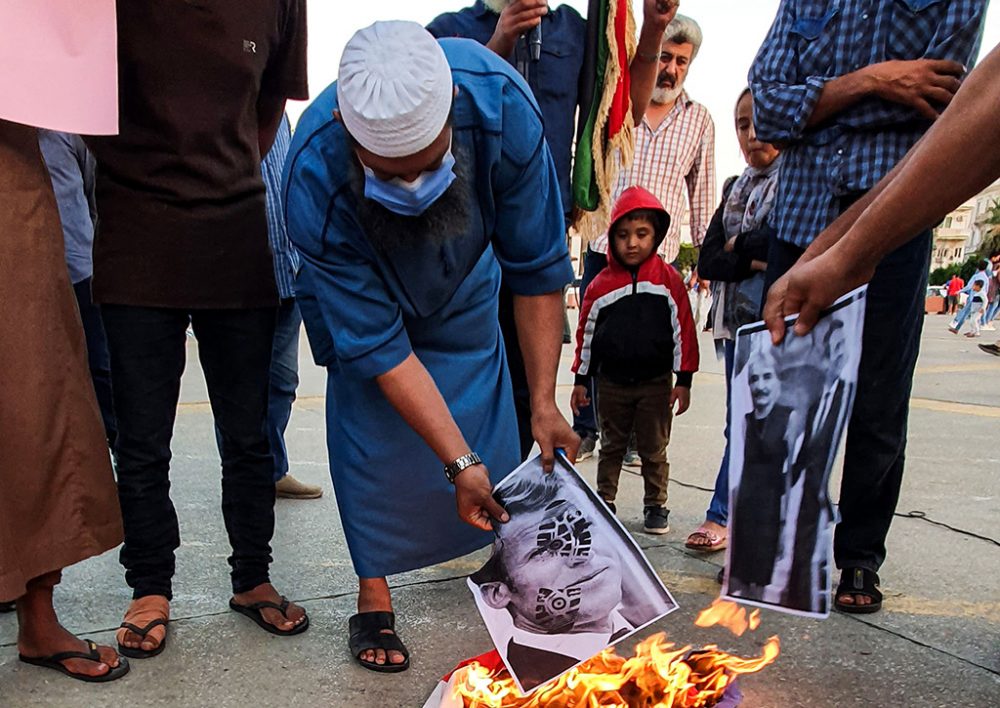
(718, 509)
(991, 311)
(284, 380)
(585, 424)
(963, 314)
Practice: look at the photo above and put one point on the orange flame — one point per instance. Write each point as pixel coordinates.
(659, 675)
(729, 615)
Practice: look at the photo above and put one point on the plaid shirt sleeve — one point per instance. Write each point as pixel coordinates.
(701, 184)
(957, 37)
(782, 100)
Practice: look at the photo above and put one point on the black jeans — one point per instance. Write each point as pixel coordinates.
(97, 358)
(515, 364)
(876, 434)
(147, 348)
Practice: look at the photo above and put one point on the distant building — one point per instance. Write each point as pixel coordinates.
(963, 230)
(981, 211)
(953, 236)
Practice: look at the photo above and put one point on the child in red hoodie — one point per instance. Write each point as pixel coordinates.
(635, 333)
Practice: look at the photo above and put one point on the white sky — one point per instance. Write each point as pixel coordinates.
(733, 32)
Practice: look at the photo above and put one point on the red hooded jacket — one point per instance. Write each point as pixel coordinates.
(636, 324)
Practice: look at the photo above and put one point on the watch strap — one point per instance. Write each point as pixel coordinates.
(467, 460)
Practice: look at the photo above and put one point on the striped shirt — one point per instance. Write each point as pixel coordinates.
(676, 163)
(286, 258)
(813, 41)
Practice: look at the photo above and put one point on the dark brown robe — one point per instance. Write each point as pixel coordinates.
(58, 502)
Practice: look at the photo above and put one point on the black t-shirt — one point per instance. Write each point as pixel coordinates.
(179, 190)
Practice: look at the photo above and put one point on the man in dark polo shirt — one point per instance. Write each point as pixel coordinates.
(504, 26)
(183, 240)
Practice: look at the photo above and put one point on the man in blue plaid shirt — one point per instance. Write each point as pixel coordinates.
(847, 87)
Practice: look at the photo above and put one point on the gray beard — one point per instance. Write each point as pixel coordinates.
(444, 220)
(663, 96)
(497, 6)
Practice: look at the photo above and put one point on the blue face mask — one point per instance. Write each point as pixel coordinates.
(411, 198)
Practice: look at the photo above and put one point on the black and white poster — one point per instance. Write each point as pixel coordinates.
(790, 407)
(565, 579)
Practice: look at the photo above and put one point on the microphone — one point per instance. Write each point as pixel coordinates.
(535, 42)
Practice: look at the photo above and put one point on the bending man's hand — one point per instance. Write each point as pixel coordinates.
(808, 288)
(551, 431)
(474, 498)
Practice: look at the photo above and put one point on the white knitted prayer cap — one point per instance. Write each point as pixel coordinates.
(395, 88)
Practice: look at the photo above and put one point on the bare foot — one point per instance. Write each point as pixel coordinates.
(265, 592)
(374, 596)
(851, 599)
(140, 613)
(39, 633)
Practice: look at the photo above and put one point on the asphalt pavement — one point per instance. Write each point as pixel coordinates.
(936, 643)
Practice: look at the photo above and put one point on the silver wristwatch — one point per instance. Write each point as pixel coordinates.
(464, 462)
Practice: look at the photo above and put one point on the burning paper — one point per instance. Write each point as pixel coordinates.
(565, 580)
(790, 406)
(658, 675)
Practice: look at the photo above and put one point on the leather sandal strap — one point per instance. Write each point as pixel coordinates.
(368, 631)
(91, 655)
(144, 630)
(281, 607)
(372, 621)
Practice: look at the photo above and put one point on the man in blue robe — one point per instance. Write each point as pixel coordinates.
(411, 184)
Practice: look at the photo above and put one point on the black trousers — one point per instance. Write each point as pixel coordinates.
(98, 358)
(876, 433)
(147, 348)
(515, 363)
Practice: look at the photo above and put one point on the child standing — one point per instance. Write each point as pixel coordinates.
(977, 302)
(636, 331)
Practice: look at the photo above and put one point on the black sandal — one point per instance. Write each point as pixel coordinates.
(55, 662)
(367, 633)
(253, 611)
(138, 653)
(858, 581)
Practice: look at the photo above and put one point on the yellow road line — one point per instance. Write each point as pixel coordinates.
(958, 368)
(928, 404)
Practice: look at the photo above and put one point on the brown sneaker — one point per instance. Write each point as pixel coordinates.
(290, 488)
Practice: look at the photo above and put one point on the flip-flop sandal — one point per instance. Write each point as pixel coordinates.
(715, 542)
(253, 611)
(858, 581)
(366, 630)
(139, 653)
(54, 661)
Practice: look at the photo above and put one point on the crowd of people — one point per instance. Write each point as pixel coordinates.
(416, 222)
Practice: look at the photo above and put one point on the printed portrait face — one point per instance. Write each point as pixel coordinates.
(559, 574)
(765, 387)
(836, 345)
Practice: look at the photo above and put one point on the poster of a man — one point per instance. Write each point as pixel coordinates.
(791, 404)
(565, 579)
